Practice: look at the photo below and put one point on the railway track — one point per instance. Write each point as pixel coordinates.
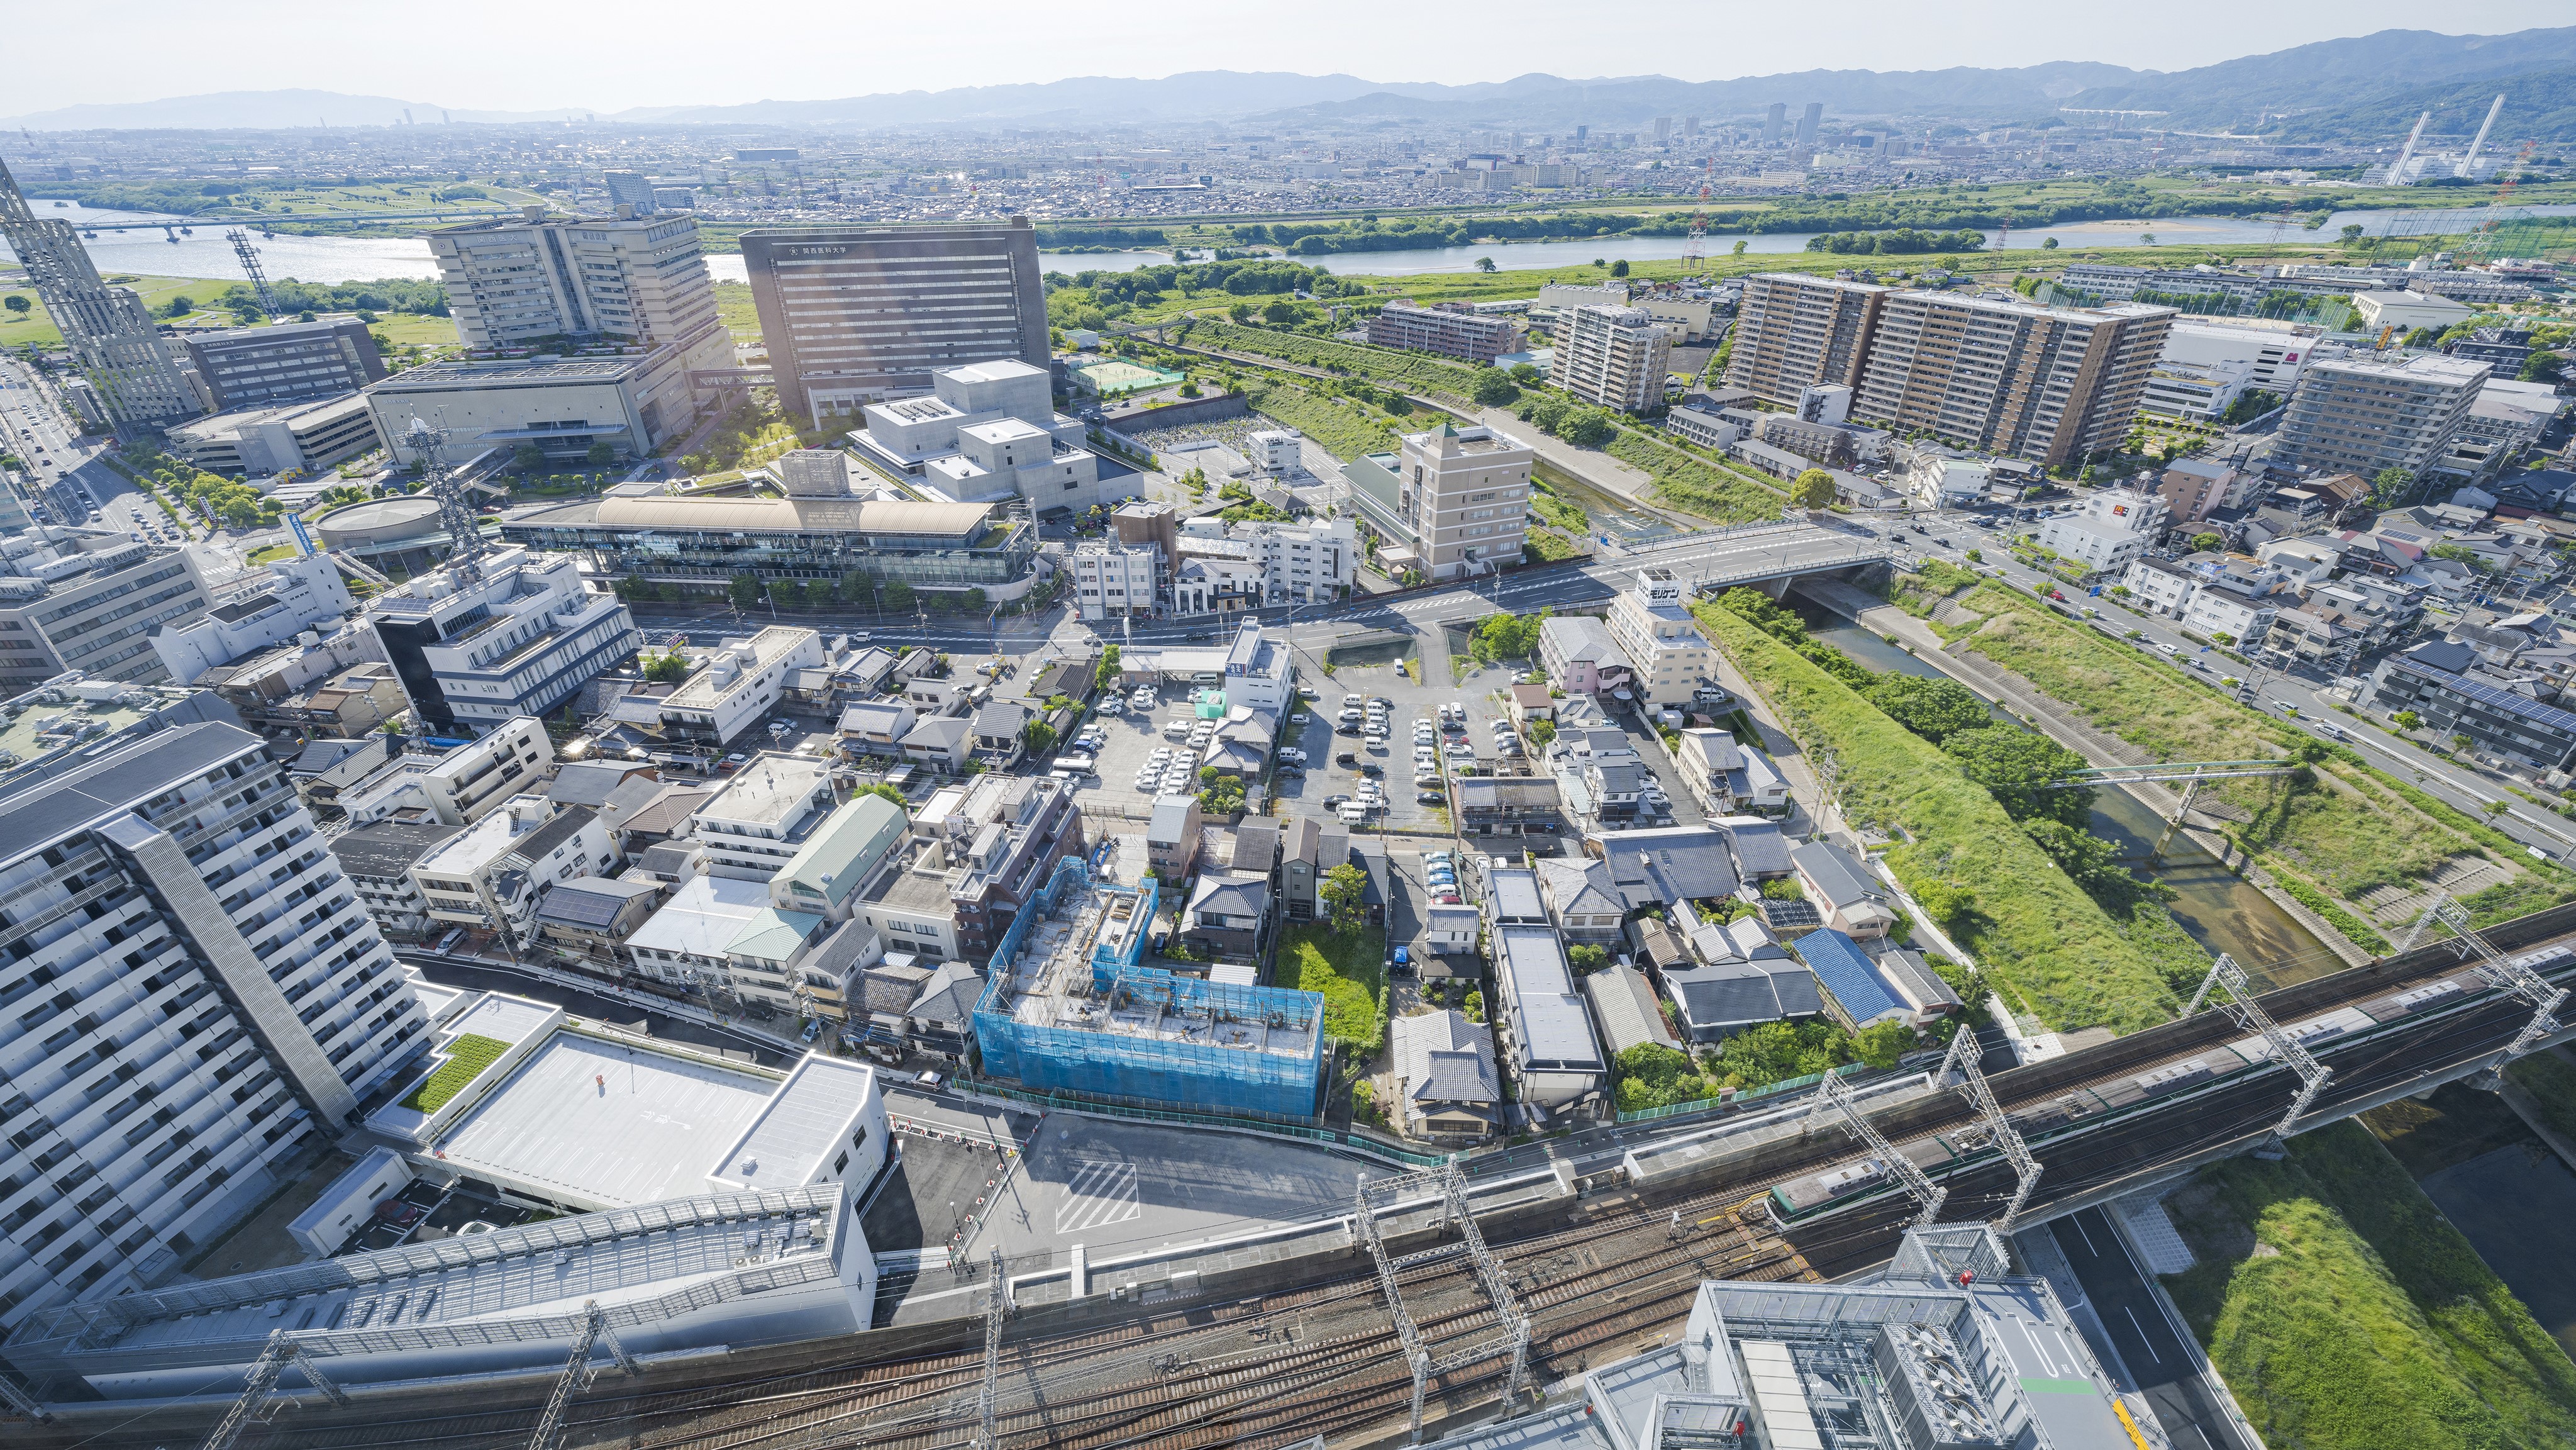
(1326, 1360)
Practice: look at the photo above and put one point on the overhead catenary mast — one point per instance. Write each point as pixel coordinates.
(455, 512)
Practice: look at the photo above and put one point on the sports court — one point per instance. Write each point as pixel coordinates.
(1117, 378)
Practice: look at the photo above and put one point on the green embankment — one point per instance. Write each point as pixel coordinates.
(2346, 826)
(1346, 427)
(1412, 371)
(1695, 485)
(467, 1056)
(2551, 1080)
(2347, 1314)
(2050, 949)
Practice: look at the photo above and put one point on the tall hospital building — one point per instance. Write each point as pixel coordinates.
(858, 315)
(189, 988)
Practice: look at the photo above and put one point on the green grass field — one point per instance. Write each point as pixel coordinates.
(2347, 1314)
(1348, 968)
(741, 316)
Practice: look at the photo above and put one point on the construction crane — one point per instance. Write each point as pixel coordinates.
(262, 1378)
(578, 1372)
(251, 268)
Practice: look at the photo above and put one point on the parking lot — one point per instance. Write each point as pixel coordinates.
(1130, 739)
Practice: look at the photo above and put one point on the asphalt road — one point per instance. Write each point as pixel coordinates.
(2160, 1365)
(65, 468)
(2463, 789)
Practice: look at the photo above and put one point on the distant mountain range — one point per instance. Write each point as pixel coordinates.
(2329, 88)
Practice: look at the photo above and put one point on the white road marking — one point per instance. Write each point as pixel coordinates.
(1098, 1195)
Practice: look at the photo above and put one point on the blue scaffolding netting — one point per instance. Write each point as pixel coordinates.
(1069, 1007)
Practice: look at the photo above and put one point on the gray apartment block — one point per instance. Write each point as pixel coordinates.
(191, 989)
(856, 315)
(288, 362)
(1794, 332)
(2352, 416)
(92, 606)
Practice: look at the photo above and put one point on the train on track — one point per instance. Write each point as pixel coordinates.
(2087, 1106)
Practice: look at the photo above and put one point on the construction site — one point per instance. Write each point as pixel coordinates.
(1070, 1008)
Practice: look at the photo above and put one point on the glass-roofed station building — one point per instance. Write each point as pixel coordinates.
(705, 542)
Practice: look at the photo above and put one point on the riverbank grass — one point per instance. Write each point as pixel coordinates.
(2049, 949)
(2347, 1314)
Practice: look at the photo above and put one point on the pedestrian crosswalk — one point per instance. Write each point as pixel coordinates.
(1098, 1195)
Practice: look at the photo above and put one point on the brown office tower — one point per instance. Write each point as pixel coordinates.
(1794, 332)
(856, 315)
(2049, 384)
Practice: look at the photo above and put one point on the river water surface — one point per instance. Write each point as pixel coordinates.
(134, 242)
(2221, 910)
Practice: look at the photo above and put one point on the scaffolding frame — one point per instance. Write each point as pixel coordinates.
(2240, 1003)
(262, 1378)
(2506, 974)
(2025, 1166)
(578, 1373)
(1834, 1093)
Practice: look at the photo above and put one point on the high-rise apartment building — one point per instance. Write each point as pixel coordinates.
(191, 990)
(112, 337)
(540, 276)
(631, 189)
(857, 315)
(287, 362)
(2357, 416)
(1795, 332)
(1614, 356)
(1773, 120)
(1808, 123)
(2050, 384)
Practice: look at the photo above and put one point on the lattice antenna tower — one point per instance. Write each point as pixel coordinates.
(1964, 1054)
(251, 268)
(1833, 1092)
(261, 1380)
(455, 511)
(2507, 974)
(1695, 250)
(2241, 1004)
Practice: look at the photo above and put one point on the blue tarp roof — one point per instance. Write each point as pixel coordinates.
(1848, 973)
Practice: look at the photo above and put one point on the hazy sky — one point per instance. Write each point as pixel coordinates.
(545, 54)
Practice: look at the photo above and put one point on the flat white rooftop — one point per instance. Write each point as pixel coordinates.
(599, 1122)
(702, 916)
(808, 1119)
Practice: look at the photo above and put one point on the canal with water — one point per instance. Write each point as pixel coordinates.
(2500, 1186)
(134, 242)
(2221, 910)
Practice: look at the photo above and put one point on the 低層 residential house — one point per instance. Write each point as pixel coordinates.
(1863, 991)
(1447, 1088)
(1625, 1009)
(876, 727)
(1581, 899)
(942, 742)
(1842, 891)
(1172, 836)
(1228, 916)
(1580, 655)
(1001, 733)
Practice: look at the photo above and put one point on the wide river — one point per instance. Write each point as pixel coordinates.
(129, 242)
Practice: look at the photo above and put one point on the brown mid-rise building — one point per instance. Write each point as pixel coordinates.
(1795, 332)
(2049, 384)
(1451, 329)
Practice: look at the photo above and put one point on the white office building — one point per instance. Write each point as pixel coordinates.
(1671, 657)
(90, 601)
(1114, 580)
(1262, 561)
(520, 639)
(2111, 530)
(2272, 358)
(1453, 502)
(2195, 392)
(760, 818)
(539, 276)
(269, 607)
(192, 991)
(988, 431)
(728, 691)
